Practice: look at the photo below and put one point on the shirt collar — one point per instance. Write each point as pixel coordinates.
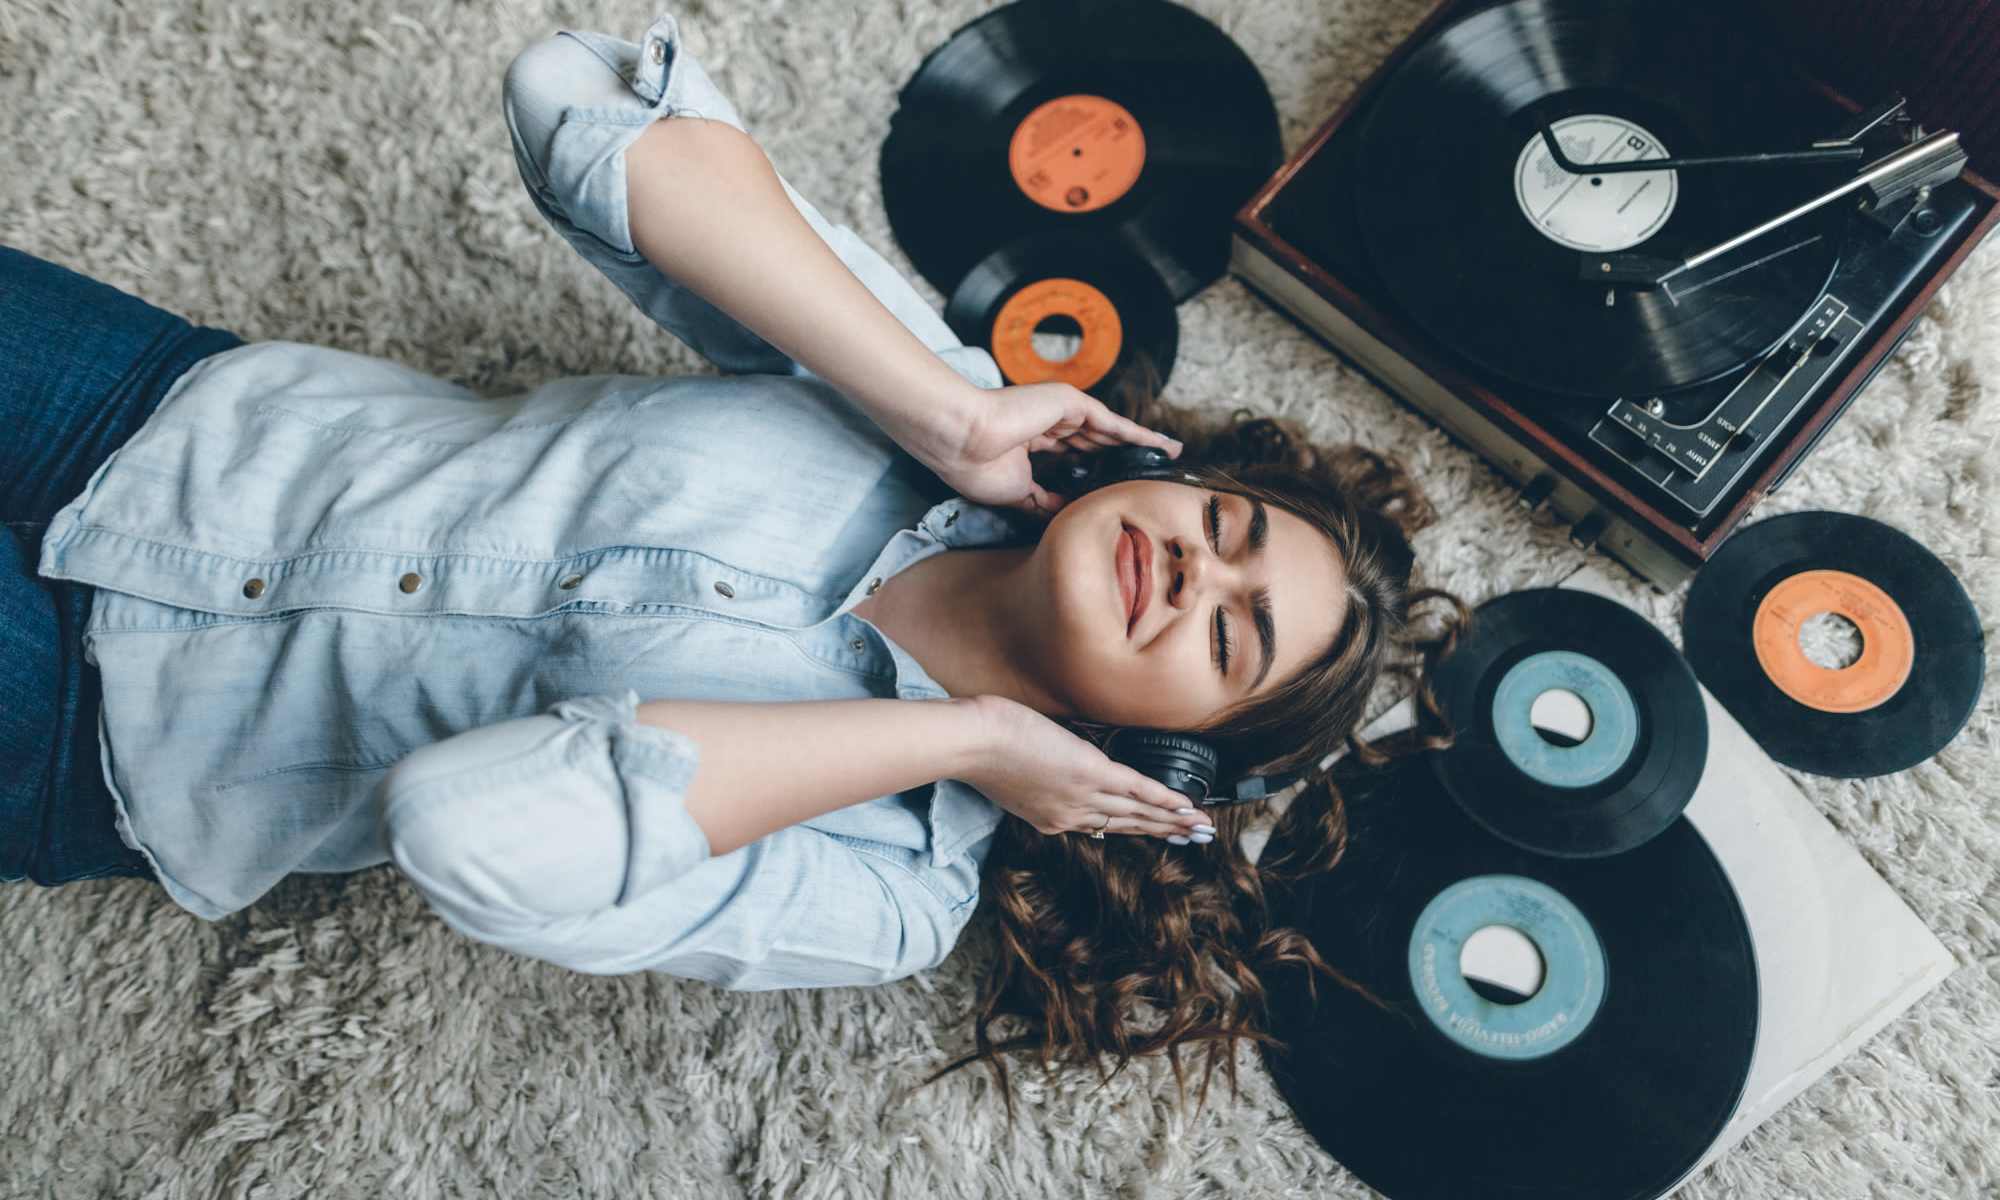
(960, 815)
(954, 524)
(960, 522)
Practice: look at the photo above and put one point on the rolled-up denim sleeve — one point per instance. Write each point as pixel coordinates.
(576, 101)
(565, 837)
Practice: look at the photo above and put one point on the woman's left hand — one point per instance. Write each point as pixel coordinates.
(991, 467)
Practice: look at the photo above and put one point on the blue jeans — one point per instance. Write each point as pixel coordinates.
(82, 365)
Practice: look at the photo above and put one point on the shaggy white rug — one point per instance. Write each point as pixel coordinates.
(339, 173)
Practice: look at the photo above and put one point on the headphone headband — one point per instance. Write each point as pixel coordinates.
(1074, 474)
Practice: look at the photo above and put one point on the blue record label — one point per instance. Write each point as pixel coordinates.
(1614, 719)
(1572, 987)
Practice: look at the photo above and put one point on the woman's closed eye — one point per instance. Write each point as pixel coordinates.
(1224, 648)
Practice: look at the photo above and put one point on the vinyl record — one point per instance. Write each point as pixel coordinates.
(1597, 1059)
(1115, 305)
(1136, 123)
(1479, 236)
(1581, 730)
(1922, 659)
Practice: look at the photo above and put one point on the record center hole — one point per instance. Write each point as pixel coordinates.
(1830, 640)
(1561, 717)
(1057, 337)
(1502, 964)
(1597, 181)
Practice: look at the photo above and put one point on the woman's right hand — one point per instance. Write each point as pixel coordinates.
(1060, 783)
(1003, 425)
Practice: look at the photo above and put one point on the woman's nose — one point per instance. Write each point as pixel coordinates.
(1189, 571)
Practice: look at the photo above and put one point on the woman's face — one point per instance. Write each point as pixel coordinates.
(1168, 670)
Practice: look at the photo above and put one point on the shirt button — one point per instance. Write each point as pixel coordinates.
(253, 588)
(858, 644)
(571, 582)
(410, 582)
(724, 588)
(657, 52)
(873, 584)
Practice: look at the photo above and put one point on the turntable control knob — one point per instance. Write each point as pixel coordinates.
(1584, 534)
(1538, 490)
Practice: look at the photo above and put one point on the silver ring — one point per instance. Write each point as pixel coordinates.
(1098, 832)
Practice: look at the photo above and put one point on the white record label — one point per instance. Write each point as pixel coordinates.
(1595, 212)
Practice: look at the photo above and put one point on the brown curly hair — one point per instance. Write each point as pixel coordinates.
(1132, 946)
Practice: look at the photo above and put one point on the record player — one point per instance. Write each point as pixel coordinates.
(1648, 350)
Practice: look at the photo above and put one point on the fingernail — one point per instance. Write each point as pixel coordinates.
(1177, 839)
(1183, 812)
(1209, 829)
(1202, 839)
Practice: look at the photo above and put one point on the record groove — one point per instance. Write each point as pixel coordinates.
(1618, 1110)
(1030, 116)
(1114, 303)
(1896, 716)
(1647, 742)
(1474, 235)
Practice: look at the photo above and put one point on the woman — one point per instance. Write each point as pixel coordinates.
(343, 612)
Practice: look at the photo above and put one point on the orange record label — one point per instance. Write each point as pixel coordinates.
(1076, 153)
(1014, 333)
(1888, 647)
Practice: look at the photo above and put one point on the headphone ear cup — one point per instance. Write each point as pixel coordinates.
(1187, 765)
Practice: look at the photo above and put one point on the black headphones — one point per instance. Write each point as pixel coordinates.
(1184, 762)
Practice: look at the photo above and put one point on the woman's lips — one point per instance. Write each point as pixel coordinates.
(1137, 587)
(1144, 546)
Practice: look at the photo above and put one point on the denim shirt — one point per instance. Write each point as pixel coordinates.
(348, 612)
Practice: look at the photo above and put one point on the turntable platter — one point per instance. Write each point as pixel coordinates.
(1478, 234)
